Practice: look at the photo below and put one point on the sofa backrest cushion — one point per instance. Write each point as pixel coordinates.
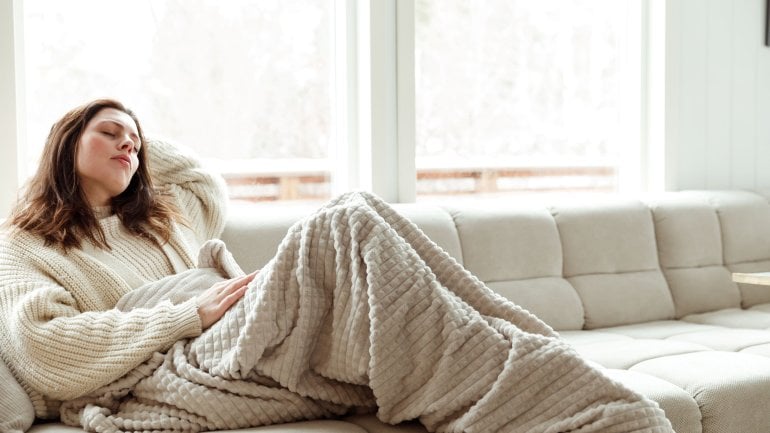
(253, 233)
(437, 224)
(744, 219)
(610, 257)
(516, 251)
(689, 242)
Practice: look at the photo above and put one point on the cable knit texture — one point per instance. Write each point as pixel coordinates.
(16, 412)
(359, 309)
(60, 334)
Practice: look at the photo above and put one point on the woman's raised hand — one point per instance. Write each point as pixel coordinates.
(216, 300)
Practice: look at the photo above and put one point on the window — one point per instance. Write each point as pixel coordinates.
(437, 97)
(523, 96)
(247, 83)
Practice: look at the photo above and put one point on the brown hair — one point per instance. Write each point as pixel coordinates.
(54, 205)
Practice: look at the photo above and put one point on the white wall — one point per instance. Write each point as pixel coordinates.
(717, 120)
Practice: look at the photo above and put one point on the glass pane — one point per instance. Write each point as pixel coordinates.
(247, 84)
(519, 96)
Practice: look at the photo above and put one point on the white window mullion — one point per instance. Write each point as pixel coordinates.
(378, 127)
(644, 111)
(653, 95)
(345, 147)
(383, 144)
(11, 101)
(633, 161)
(407, 173)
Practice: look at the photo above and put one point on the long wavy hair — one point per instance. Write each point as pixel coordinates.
(54, 206)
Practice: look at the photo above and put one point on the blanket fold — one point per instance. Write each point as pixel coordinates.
(359, 310)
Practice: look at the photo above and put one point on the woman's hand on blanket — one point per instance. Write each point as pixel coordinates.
(215, 301)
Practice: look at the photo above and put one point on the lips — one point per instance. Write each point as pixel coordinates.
(124, 159)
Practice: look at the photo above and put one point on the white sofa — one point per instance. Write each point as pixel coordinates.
(642, 287)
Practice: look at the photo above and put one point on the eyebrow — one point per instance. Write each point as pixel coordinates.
(134, 136)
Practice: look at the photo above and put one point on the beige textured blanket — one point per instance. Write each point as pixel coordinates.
(360, 310)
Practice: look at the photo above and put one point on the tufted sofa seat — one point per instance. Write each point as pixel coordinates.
(640, 286)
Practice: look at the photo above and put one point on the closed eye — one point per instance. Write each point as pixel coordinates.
(109, 134)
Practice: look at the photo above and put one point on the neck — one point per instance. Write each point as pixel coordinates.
(101, 211)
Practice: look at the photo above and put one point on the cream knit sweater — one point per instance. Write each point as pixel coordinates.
(59, 332)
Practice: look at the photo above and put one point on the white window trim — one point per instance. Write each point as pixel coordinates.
(407, 111)
(11, 102)
(344, 156)
(644, 166)
(654, 175)
(374, 133)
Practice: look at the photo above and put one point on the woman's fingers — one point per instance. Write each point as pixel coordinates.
(214, 302)
(226, 287)
(235, 290)
(230, 299)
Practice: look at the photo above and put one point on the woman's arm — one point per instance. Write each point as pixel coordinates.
(200, 194)
(63, 353)
(55, 331)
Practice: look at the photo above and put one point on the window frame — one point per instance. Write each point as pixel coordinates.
(374, 51)
(374, 129)
(11, 102)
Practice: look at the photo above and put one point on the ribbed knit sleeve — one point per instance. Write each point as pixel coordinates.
(16, 411)
(201, 194)
(58, 349)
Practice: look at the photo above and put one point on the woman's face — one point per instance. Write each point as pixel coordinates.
(107, 155)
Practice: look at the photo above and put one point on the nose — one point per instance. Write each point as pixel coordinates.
(126, 143)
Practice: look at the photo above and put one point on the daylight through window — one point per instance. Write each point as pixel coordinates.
(517, 96)
(245, 83)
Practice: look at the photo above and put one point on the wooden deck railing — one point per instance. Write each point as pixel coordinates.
(309, 184)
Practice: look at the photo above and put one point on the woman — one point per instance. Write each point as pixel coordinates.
(96, 221)
(357, 310)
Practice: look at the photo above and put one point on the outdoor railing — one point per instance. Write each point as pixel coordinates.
(314, 184)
